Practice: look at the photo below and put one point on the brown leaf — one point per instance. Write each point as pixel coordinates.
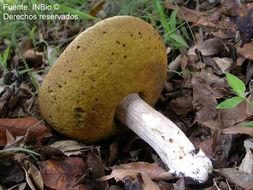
(97, 8)
(114, 152)
(224, 25)
(230, 117)
(13, 97)
(35, 175)
(240, 178)
(222, 33)
(165, 186)
(203, 100)
(249, 72)
(9, 137)
(48, 152)
(189, 15)
(26, 44)
(238, 129)
(246, 51)
(213, 16)
(240, 60)
(120, 174)
(114, 187)
(223, 63)
(10, 173)
(208, 47)
(153, 171)
(63, 174)
(180, 184)
(206, 147)
(245, 23)
(181, 105)
(214, 125)
(96, 167)
(70, 147)
(33, 58)
(213, 19)
(19, 127)
(247, 162)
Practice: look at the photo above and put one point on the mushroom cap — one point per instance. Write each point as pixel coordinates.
(105, 63)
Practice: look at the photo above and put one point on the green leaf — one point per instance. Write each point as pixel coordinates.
(236, 84)
(5, 57)
(1, 60)
(178, 39)
(19, 149)
(33, 30)
(230, 103)
(76, 12)
(25, 71)
(162, 16)
(184, 32)
(185, 72)
(172, 21)
(248, 124)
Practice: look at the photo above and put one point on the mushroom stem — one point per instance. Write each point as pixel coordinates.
(170, 143)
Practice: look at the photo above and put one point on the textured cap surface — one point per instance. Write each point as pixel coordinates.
(115, 57)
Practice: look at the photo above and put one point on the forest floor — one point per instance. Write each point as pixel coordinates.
(207, 94)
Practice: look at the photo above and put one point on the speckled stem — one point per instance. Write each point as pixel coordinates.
(170, 143)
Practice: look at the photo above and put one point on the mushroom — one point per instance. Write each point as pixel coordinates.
(116, 69)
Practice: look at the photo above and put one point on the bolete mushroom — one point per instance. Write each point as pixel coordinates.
(110, 71)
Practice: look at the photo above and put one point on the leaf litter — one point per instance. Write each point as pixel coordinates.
(196, 84)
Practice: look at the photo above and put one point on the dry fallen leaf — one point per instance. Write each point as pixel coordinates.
(120, 174)
(249, 72)
(208, 47)
(215, 20)
(26, 44)
(97, 8)
(96, 167)
(153, 171)
(189, 15)
(230, 117)
(70, 147)
(245, 23)
(49, 152)
(204, 100)
(64, 174)
(14, 95)
(247, 162)
(114, 152)
(223, 63)
(238, 129)
(10, 173)
(35, 175)
(181, 105)
(246, 51)
(19, 127)
(240, 178)
(33, 58)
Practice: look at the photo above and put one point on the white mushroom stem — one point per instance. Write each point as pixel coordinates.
(170, 143)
